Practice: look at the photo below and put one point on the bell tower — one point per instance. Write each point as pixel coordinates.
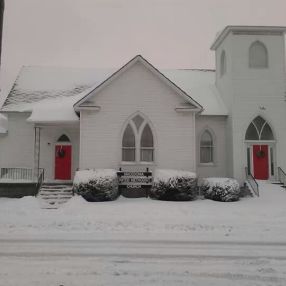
(250, 76)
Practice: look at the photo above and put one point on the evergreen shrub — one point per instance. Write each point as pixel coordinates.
(174, 185)
(221, 189)
(96, 185)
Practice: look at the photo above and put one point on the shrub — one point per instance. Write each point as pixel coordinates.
(221, 189)
(173, 185)
(96, 185)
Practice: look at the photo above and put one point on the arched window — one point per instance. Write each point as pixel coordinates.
(258, 130)
(128, 145)
(138, 141)
(222, 63)
(258, 56)
(64, 138)
(206, 148)
(146, 145)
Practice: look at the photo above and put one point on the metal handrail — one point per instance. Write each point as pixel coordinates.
(282, 176)
(252, 182)
(40, 181)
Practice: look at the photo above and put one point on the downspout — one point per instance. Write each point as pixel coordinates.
(37, 153)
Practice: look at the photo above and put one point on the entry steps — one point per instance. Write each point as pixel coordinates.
(52, 196)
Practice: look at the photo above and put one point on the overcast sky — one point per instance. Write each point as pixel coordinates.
(108, 33)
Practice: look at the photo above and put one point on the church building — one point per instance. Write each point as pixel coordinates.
(227, 122)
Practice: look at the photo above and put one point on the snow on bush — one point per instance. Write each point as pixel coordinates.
(96, 185)
(221, 189)
(174, 185)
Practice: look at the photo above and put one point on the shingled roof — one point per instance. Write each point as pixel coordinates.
(35, 84)
(45, 84)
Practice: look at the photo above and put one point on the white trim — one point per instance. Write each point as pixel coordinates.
(138, 135)
(270, 144)
(86, 107)
(152, 69)
(246, 29)
(187, 109)
(56, 143)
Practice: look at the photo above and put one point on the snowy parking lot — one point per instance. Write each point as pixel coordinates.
(145, 242)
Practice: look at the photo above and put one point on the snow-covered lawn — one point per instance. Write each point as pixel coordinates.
(251, 219)
(145, 242)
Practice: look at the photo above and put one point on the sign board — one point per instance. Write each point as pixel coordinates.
(135, 180)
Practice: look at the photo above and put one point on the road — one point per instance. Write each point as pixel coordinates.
(140, 262)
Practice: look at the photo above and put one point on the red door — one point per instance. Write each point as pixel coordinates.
(260, 162)
(63, 162)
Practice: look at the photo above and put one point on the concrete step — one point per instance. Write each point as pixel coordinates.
(54, 195)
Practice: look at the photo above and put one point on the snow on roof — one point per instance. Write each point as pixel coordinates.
(3, 124)
(200, 84)
(50, 92)
(35, 84)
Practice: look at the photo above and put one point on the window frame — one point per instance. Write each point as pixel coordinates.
(138, 135)
(223, 64)
(212, 148)
(252, 53)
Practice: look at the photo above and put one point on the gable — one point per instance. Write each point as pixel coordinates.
(140, 75)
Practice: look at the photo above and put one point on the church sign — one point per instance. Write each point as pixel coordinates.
(134, 180)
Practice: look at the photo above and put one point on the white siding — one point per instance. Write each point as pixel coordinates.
(250, 92)
(217, 126)
(49, 137)
(17, 147)
(137, 89)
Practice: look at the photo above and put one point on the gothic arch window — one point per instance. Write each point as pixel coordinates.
(138, 141)
(64, 138)
(222, 63)
(259, 130)
(128, 145)
(206, 148)
(258, 55)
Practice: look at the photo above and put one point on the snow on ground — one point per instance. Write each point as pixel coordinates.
(255, 219)
(145, 242)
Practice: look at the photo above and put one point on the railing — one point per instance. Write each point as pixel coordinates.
(41, 178)
(282, 177)
(16, 174)
(252, 182)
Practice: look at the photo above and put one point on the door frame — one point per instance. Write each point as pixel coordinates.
(270, 144)
(62, 144)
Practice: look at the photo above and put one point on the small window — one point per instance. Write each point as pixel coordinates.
(222, 63)
(128, 145)
(146, 148)
(138, 120)
(258, 56)
(64, 138)
(206, 148)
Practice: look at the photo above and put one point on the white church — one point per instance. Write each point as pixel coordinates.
(218, 123)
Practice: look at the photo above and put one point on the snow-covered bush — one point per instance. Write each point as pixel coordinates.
(174, 185)
(96, 185)
(221, 189)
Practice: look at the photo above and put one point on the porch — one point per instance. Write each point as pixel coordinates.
(20, 182)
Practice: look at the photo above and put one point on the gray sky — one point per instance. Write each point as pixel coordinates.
(108, 33)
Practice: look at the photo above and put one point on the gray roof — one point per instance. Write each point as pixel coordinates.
(36, 84)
